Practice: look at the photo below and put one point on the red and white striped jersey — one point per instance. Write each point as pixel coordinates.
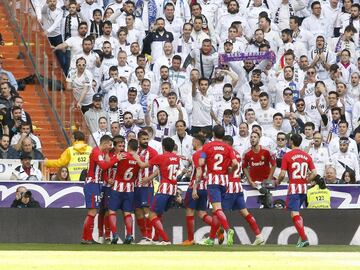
(167, 188)
(195, 164)
(111, 171)
(218, 179)
(218, 157)
(146, 154)
(234, 185)
(297, 163)
(126, 174)
(97, 166)
(169, 167)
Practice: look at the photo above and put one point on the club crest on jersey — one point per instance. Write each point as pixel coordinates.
(262, 158)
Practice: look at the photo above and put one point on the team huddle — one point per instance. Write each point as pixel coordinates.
(123, 180)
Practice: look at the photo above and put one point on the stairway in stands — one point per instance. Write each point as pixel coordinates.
(35, 102)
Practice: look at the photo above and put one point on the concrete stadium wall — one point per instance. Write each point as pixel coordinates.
(340, 227)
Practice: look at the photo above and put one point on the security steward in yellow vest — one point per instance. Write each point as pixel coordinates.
(75, 157)
(318, 196)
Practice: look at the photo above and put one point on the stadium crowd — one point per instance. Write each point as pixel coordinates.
(158, 66)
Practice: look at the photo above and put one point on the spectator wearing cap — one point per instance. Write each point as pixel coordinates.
(93, 115)
(10, 76)
(25, 132)
(135, 108)
(114, 112)
(26, 171)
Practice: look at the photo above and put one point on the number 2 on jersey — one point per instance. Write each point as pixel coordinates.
(300, 170)
(219, 158)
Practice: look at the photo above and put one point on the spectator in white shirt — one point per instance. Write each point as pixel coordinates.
(345, 160)
(79, 81)
(135, 108)
(175, 110)
(51, 21)
(74, 43)
(183, 142)
(316, 23)
(94, 139)
(264, 116)
(202, 113)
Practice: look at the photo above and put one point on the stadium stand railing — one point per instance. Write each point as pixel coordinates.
(38, 54)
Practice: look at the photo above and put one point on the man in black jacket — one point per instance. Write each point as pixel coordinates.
(7, 151)
(24, 199)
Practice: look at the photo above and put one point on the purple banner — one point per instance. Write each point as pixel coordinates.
(70, 194)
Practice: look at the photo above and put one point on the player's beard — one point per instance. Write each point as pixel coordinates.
(144, 145)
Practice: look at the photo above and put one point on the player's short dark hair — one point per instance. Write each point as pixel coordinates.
(344, 122)
(142, 133)
(218, 131)
(126, 113)
(227, 112)
(310, 124)
(133, 145)
(228, 139)
(296, 139)
(257, 126)
(172, 94)
(204, 79)
(168, 144)
(314, 3)
(295, 18)
(336, 109)
(180, 121)
(108, 23)
(118, 139)
(278, 114)
(264, 94)
(200, 138)
(176, 57)
(78, 136)
(82, 23)
(333, 93)
(281, 133)
(105, 138)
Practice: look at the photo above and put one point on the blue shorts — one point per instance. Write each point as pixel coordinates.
(233, 201)
(161, 203)
(92, 193)
(105, 198)
(295, 201)
(216, 193)
(121, 200)
(143, 196)
(199, 204)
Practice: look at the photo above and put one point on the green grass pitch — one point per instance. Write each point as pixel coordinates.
(59, 256)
